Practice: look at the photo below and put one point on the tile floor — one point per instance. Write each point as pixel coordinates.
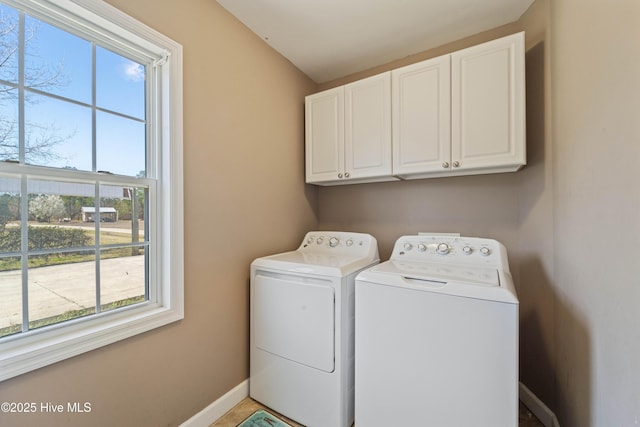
(248, 406)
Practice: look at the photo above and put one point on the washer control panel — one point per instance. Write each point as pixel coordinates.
(452, 249)
(338, 242)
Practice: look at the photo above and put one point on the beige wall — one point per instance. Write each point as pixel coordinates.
(535, 250)
(244, 197)
(596, 148)
(569, 219)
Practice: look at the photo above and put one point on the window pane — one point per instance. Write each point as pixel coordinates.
(10, 296)
(10, 266)
(10, 236)
(62, 286)
(120, 145)
(57, 62)
(8, 44)
(9, 145)
(58, 134)
(122, 214)
(120, 84)
(56, 212)
(122, 277)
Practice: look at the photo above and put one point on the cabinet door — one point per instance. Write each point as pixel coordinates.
(368, 127)
(324, 135)
(422, 117)
(488, 105)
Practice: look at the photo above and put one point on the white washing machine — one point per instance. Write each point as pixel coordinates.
(437, 336)
(302, 327)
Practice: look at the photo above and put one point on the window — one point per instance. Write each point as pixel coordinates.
(91, 240)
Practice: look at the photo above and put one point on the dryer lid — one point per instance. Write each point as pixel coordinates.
(321, 264)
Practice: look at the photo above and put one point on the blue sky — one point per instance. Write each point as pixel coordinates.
(120, 87)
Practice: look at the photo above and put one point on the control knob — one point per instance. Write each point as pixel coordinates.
(408, 246)
(333, 242)
(422, 247)
(349, 242)
(467, 250)
(443, 249)
(319, 240)
(485, 251)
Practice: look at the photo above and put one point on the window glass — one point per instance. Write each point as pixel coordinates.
(57, 133)
(9, 143)
(9, 39)
(120, 84)
(56, 62)
(10, 294)
(10, 265)
(59, 291)
(120, 145)
(122, 214)
(61, 276)
(122, 277)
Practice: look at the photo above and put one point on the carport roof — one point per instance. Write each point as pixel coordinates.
(92, 209)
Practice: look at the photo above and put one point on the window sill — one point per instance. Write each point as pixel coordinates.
(44, 347)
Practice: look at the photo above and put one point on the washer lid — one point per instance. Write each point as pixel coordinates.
(483, 283)
(441, 272)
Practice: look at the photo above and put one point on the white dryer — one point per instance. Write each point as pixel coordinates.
(302, 327)
(437, 336)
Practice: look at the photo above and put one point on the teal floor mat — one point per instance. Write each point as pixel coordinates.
(262, 418)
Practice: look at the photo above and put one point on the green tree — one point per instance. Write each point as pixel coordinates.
(9, 209)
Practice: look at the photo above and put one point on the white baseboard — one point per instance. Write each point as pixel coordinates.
(537, 406)
(217, 409)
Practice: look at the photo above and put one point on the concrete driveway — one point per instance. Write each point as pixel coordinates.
(57, 289)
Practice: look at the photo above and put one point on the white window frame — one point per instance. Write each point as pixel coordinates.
(24, 352)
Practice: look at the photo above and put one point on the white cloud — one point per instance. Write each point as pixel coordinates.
(133, 72)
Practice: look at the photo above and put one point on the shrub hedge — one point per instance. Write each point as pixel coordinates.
(43, 238)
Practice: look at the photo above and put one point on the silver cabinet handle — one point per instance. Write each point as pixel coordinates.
(340, 175)
(445, 165)
(456, 164)
(347, 175)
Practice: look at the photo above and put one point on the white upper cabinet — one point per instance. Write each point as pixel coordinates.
(324, 135)
(488, 106)
(422, 117)
(348, 133)
(458, 114)
(368, 127)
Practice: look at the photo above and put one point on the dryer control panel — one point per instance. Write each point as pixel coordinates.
(339, 243)
(450, 249)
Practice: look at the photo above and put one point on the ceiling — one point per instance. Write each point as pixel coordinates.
(327, 39)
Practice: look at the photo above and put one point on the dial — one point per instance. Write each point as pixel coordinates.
(467, 250)
(349, 242)
(443, 249)
(485, 251)
(422, 247)
(333, 242)
(319, 240)
(310, 240)
(408, 246)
